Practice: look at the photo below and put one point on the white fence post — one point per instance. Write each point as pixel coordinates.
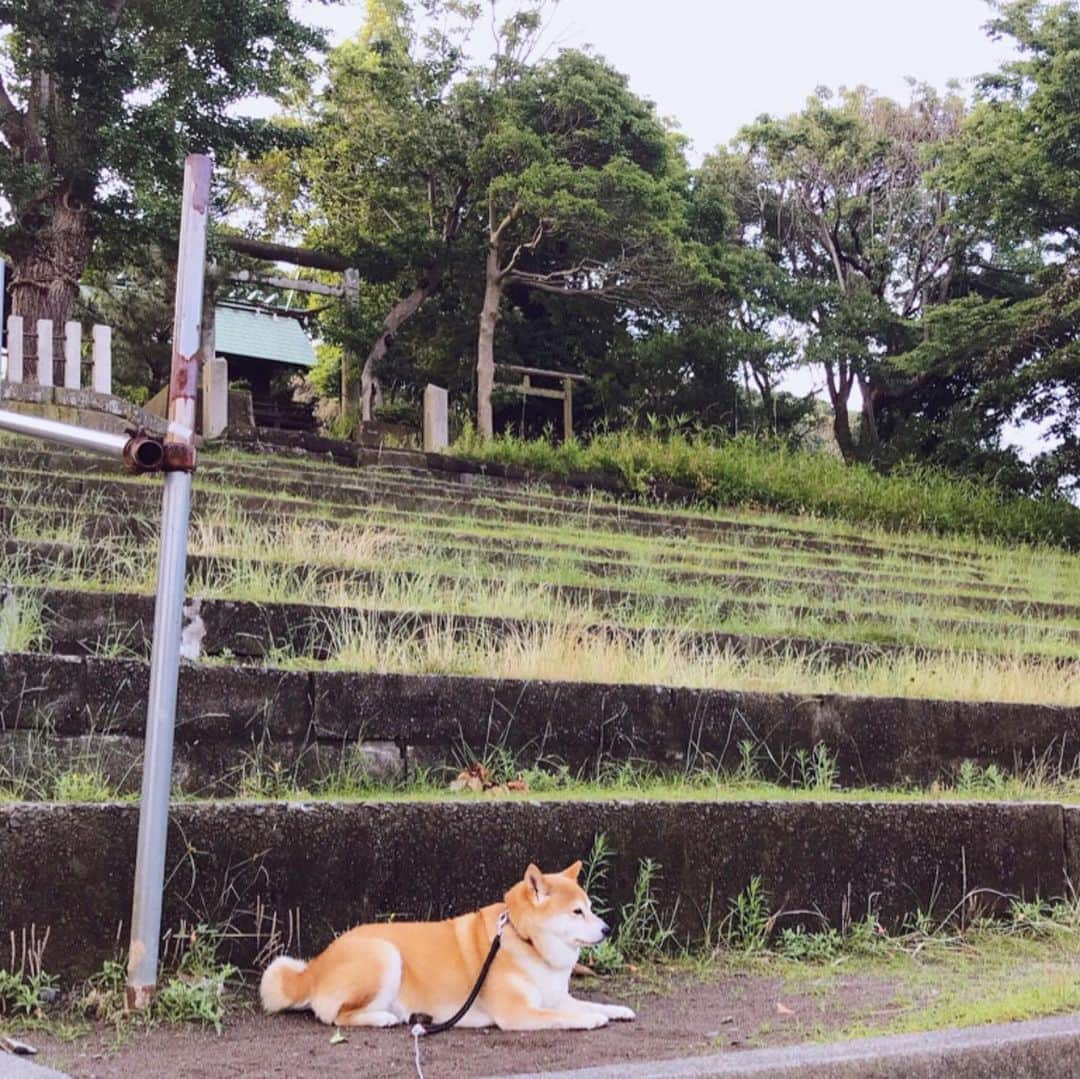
(44, 352)
(72, 356)
(102, 359)
(14, 371)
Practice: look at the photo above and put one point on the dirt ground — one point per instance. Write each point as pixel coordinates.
(678, 1015)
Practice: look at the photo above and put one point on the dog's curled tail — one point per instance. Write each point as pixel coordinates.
(284, 984)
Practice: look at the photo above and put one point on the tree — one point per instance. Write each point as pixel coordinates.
(389, 158)
(100, 101)
(416, 148)
(1014, 172)
(583, 196)
(383, 169)
(844, 206)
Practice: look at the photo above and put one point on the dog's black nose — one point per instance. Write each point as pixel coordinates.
(605, 929)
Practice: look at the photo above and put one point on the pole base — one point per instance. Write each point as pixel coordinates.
(139, 997)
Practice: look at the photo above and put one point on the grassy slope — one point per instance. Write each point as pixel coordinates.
(765, 575)
(743, 472)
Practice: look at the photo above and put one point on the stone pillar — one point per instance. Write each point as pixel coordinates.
(102, 359)
(436, 421)
(215, 404)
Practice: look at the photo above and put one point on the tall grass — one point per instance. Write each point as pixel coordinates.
(574, 654)
(742, 471)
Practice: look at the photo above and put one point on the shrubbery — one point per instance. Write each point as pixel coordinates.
(745, 472)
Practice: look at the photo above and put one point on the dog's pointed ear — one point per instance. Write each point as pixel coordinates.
(572, 871)
(538, 888)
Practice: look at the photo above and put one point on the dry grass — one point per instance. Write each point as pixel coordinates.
(566, 653)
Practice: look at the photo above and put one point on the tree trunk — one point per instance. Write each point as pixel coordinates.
(868, 433)
(399, 314)
(839, 394)
(46, 268)
(485, 348)
(842, 432)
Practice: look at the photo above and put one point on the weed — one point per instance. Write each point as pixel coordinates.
(21, 992)
(750, 922)
(21, 626)
(813, 947)
(595, 871)
(194, 993)
(815, 770)
(642, 933)
(25, 983)
(82, 787)
(747, 771)
(971, 779)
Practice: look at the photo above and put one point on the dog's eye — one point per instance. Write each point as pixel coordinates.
(578, 910)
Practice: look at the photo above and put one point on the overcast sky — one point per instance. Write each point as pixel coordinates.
(714, 65)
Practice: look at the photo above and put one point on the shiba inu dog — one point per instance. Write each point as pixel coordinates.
(378, 975)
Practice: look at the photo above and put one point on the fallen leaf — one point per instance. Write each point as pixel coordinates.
(783, 1009)
(517, 785)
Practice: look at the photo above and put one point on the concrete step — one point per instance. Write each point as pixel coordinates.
(524, 508)
(1036, 1049)
(309, 721)
(32, 512)
(263, 871)
(75, 622)
(34, 557)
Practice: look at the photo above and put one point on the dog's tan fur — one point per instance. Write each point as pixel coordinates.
(377, 975)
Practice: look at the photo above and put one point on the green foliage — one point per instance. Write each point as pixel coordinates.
(1013, 170)
(837, 197)
(819, 947)
(742, 471)
(21, 992)
(103, 101)
(750, 921)
(82, 787)
(971, 779)
(196, 993)
(642, 932)
(815, 770)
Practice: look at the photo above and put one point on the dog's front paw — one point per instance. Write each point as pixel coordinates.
(589, 1020)
(619, 1012)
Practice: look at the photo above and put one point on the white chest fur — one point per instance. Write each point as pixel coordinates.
(550, 985)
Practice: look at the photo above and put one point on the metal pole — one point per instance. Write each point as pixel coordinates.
(165, 654)
(81, 437)
(140, 452)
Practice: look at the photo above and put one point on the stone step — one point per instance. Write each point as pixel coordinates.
(530, 509)
(290, 876)
(34, 515)
(307, 720)
(76, 621)
(32, 557)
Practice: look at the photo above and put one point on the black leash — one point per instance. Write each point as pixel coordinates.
(420, 1023)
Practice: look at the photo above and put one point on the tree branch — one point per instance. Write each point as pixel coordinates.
(297, 256)
(504, 224)
(12, 119)
(532, 245)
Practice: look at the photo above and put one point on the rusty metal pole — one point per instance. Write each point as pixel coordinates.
(172, 563)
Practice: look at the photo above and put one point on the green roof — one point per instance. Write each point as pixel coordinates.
(262, 335)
